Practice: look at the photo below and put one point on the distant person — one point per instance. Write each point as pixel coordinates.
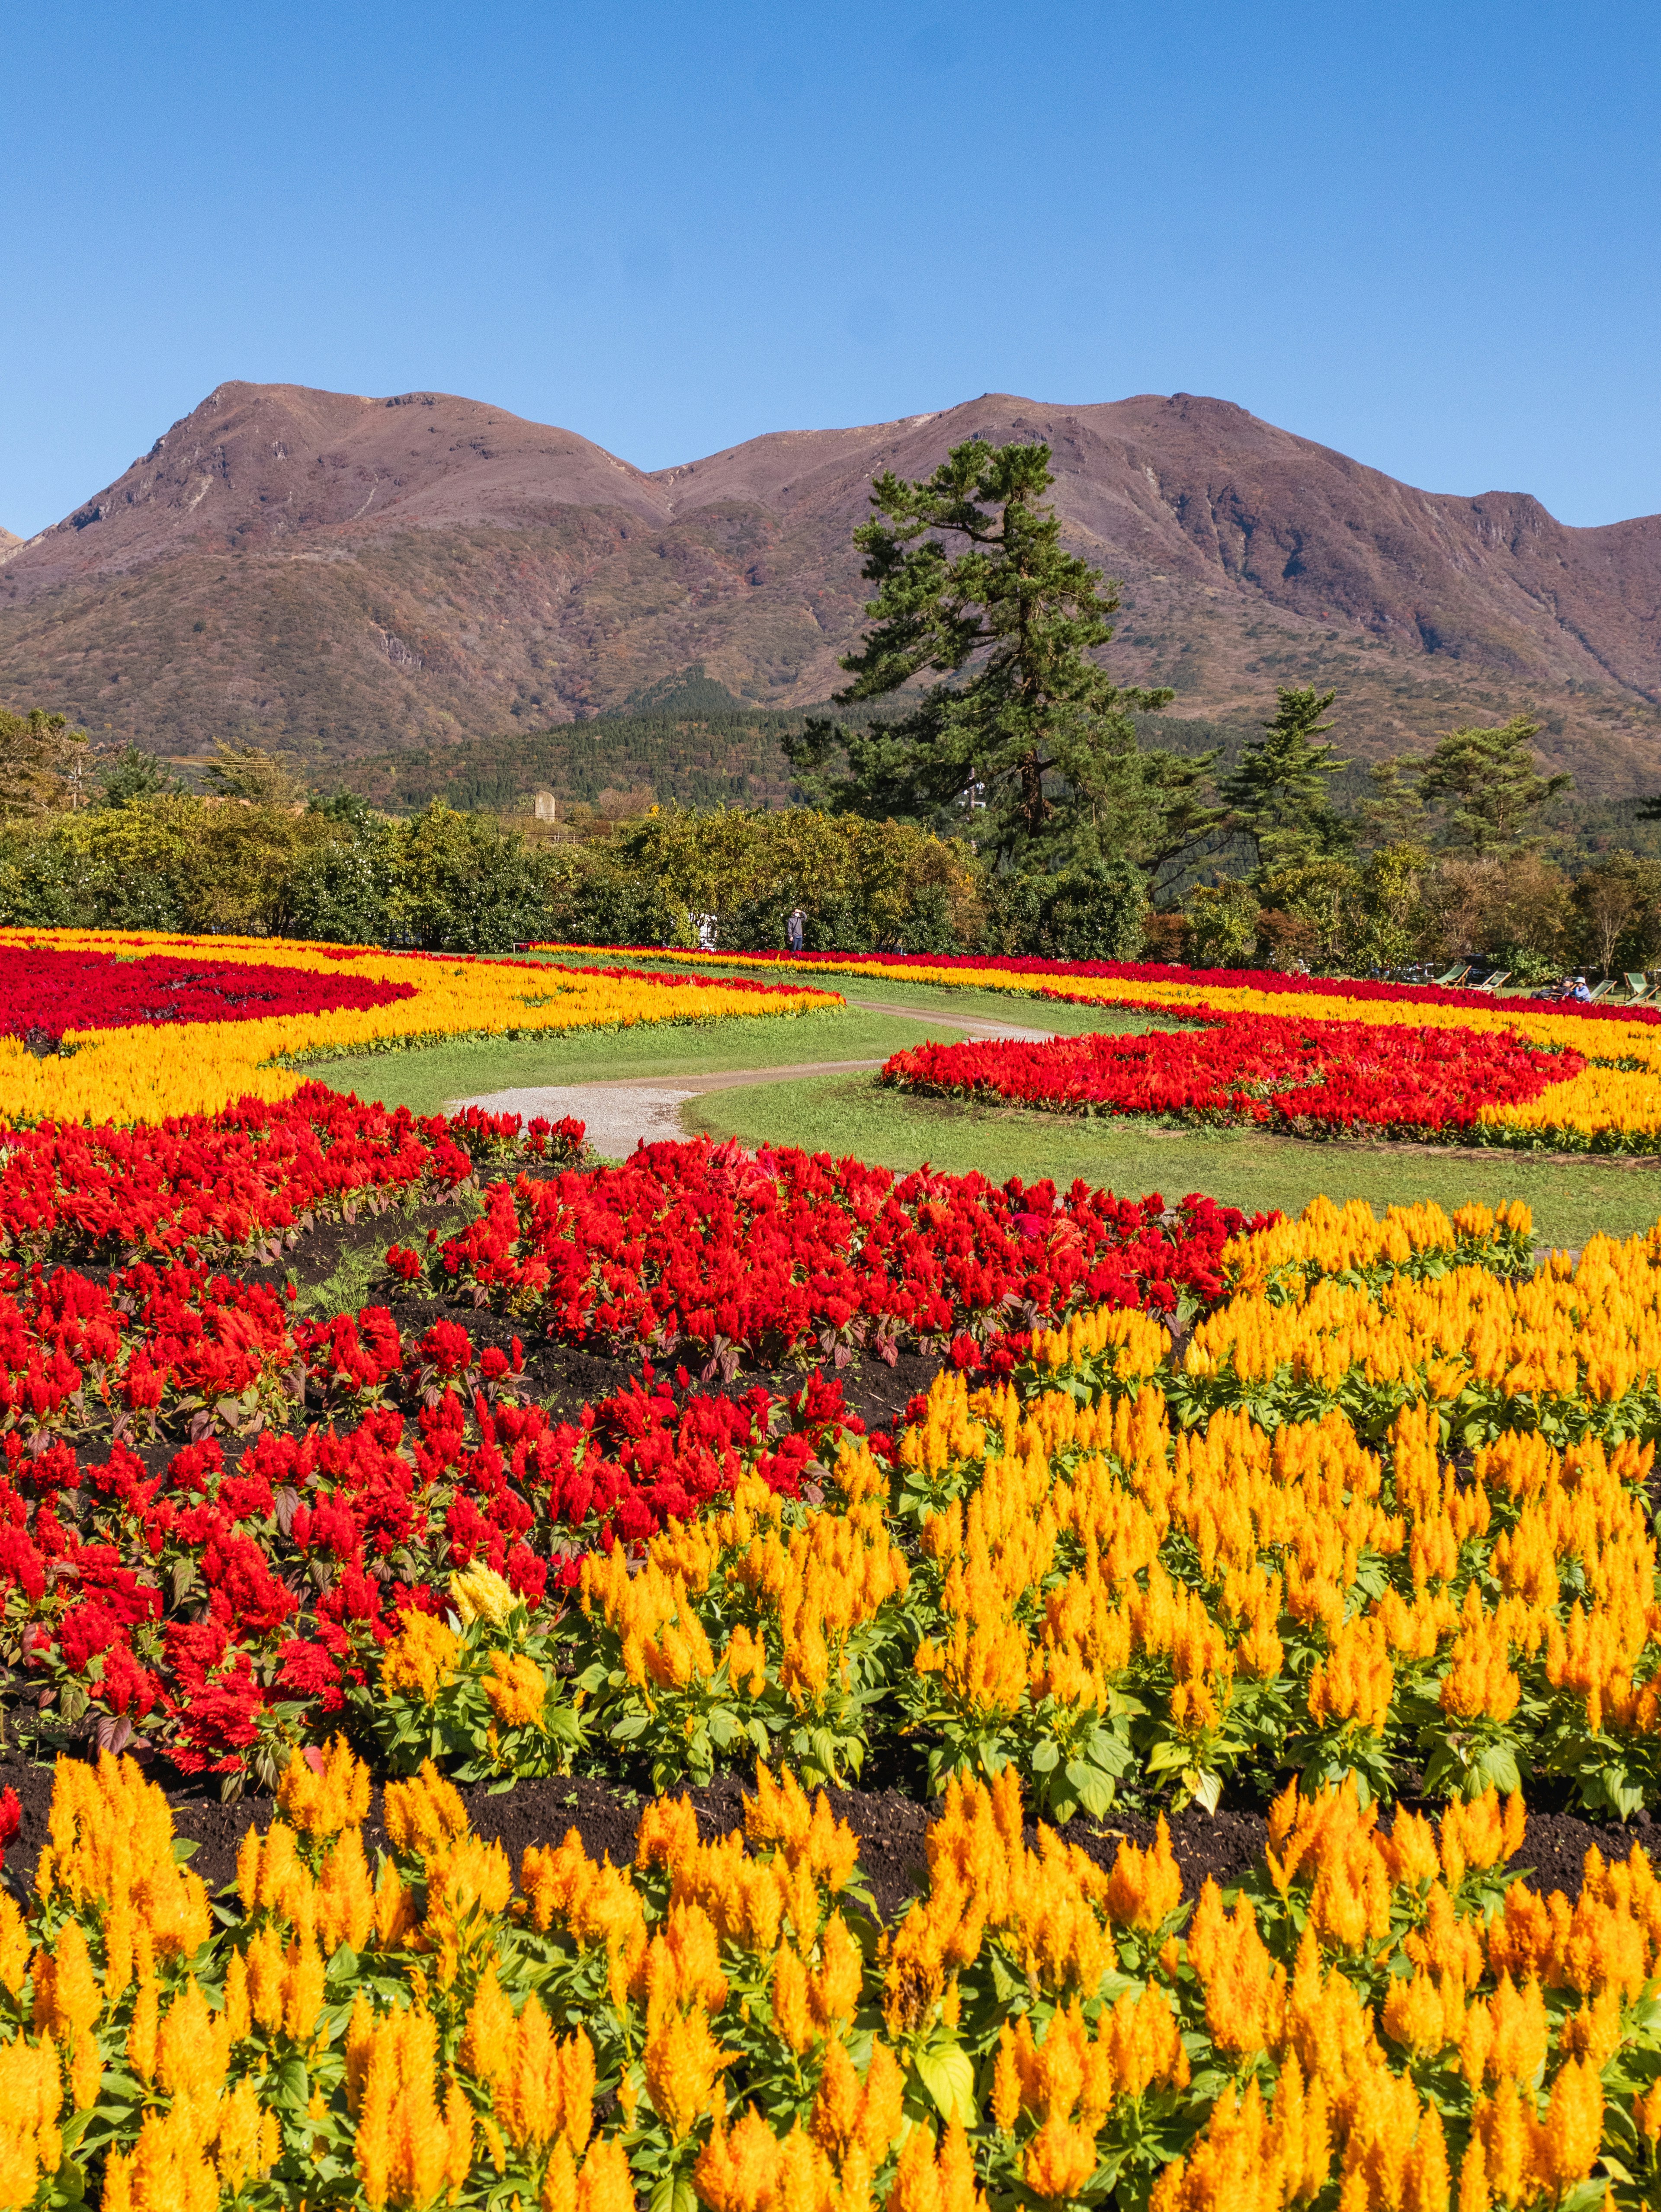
(795, 930)
(1580, 991)
(706, 932)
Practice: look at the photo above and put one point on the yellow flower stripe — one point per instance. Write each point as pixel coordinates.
(1303, 2046)
(1614, 1102)
(148, 1074)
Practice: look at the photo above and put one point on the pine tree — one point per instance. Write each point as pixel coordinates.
(1488, 783)
(129, 776)
(1279, 788)
(1026, 741)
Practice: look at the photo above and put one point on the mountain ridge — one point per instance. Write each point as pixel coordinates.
(341, 574)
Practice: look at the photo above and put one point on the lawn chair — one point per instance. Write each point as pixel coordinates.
(1638, 988)
(1601, 991)
(1457, 973)
(1492, 982)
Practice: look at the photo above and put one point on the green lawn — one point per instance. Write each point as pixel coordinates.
(425, 1077)
(845, 1114)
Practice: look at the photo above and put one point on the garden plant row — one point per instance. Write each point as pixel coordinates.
(1376, 2019)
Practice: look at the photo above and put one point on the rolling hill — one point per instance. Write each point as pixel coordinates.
(353, 577)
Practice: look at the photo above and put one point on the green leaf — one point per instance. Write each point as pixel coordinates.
(68, 2183)
(1206, 1788)
(289, 2087)
(948, 2076)
(1498, 1765)
(1094, 1788)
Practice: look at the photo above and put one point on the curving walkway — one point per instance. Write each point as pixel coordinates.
(626, 1110)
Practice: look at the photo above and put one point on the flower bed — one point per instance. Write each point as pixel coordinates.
(1604, 1096)
(1101, 1563)
(1193, 1504)
(1376, 2020)
(185, 1562)
(1386, 1512)
(1302, 1077)
(699, 1245)
(106, 1005)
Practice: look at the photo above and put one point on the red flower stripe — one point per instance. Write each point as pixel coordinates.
(45, 992)
(699, 1244)
(1305, 1076)
(226, 1181)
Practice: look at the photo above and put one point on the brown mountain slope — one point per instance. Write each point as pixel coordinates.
(344, 574)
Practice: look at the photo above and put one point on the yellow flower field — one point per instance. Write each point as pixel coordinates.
(147, 1072)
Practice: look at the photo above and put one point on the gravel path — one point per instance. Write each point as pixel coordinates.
(645, 1109)
(642, 1109)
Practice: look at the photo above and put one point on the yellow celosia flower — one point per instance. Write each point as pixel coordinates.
(326, 1791)
(247, 2140)
(926, 2183)
(750, 2169)
(425, 1815)
(602, 2183)
(850, 2116)
(480, 1593)
(111, 1844)
(543, 2088)
(421, 1658)
(1145, 1886)
(1244, 1990)
(30, 2099)
(684, 2062)
(167, 2171)
(516, 1689)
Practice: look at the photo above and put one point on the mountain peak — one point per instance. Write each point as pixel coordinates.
(349, 573)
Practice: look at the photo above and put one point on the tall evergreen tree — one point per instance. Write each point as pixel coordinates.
(1025, 739)
(1279, 787)
(1487, 781)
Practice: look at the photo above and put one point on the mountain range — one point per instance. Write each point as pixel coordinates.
(346, 576)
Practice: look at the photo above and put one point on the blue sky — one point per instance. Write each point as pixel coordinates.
(1425, 234)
